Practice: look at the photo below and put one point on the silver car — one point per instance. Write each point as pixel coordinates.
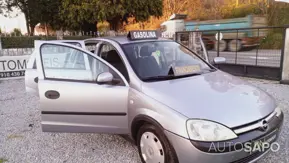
(175, 105)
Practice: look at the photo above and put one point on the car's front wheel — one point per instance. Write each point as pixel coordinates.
(153, 146)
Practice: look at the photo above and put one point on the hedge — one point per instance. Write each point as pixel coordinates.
(28, 41)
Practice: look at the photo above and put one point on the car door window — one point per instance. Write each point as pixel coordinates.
(51, 49)
(67, 63)
(111, 55)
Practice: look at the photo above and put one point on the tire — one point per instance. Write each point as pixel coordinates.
(223, 45)
(150, 133)
(235, 45)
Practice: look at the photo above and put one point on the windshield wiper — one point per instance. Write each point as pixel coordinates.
(169, 77)
(156, 78)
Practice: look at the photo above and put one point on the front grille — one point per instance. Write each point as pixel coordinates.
(254, 125)
(249, 158)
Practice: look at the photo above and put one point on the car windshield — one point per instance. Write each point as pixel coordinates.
(162, 59)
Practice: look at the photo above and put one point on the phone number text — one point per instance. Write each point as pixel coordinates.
(12, 74)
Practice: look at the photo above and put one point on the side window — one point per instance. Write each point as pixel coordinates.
(61, 62)
(91, 46)
(105, 48)
(110, 54)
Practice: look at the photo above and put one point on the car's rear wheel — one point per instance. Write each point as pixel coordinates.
(235, 45)
(153, 146)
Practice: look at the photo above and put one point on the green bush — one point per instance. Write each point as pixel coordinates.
(242, 11)
(28, 41)
(272, 41)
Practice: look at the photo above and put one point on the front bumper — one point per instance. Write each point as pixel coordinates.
(191, 151)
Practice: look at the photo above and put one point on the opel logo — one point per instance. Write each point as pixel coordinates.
(264, 126)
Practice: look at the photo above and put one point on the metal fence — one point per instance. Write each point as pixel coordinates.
(12, 45)
(245, 49)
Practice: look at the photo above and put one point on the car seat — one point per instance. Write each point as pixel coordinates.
(114, 59)
(148, 65)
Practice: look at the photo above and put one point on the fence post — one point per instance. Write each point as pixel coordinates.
(191, 40)
(237, 38)
(0, 43)
(257, 50)
(59, 35)
(178, 37)
(218, 51)
(285, 58)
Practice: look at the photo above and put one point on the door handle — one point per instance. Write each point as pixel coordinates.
(36, 80)
(52, 94)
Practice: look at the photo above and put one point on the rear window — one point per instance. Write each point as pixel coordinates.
(73, 43)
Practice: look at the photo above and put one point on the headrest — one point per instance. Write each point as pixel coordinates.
(113, 57)
(146, 51)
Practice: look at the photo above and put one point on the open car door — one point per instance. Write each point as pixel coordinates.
(85, 94)
(31, 77)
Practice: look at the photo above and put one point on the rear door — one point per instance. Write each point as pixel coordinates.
(31, 77)
(71, 99)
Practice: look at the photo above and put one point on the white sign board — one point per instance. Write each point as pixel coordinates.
(168, 35)
(13, 67)
(217, 36)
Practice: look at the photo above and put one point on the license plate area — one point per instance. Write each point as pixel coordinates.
(262, 144)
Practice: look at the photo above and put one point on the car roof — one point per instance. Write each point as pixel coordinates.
(124, 40)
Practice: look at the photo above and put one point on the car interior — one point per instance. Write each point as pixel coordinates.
(147, 64)
(114, 59)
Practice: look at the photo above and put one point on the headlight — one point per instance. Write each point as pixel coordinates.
(201, 130)
(278, 111)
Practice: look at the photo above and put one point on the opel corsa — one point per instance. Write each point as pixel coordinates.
(175, 105)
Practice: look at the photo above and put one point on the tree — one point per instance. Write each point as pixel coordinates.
(79, 15)
(116, 12)
(49, 14)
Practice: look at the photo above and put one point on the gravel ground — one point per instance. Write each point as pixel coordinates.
(21, 138)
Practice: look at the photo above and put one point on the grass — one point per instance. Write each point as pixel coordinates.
(2, 160)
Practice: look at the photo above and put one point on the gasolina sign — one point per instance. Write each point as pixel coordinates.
(12, 67)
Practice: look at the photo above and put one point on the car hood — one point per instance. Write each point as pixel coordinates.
(215, 96)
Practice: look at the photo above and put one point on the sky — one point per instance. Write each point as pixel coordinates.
(9, 23)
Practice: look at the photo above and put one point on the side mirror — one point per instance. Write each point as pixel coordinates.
(104, 77)
(219, 60)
